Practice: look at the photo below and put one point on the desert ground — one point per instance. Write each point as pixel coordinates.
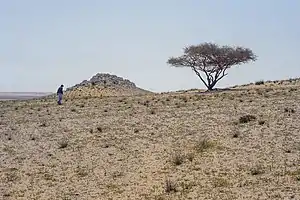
(242, 143)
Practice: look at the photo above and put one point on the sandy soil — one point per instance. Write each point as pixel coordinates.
(241, 144)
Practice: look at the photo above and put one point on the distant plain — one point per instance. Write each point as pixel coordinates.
(21, 95)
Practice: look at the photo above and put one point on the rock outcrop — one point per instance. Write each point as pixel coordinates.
(107, 80)
(103, 84)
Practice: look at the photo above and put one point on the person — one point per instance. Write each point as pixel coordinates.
(60, 94)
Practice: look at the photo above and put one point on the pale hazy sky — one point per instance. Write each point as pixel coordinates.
(44, 43)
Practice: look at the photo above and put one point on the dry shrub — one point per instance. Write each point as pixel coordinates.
(220, 182)
(246, 118)
(204, 145)
(99, 129)
(170, 186)
(261, 82)
(257, 170)
(190, 156)
(236, 135)
(177, 158)
(152, 112)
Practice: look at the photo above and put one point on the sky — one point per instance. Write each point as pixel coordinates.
(44, 44)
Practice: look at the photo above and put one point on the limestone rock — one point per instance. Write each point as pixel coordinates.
(106, 80)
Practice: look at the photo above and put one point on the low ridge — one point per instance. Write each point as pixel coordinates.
(104, 84)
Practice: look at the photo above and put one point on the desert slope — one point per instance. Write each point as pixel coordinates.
(242, 144)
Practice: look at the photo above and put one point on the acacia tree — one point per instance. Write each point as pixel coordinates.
(212, 61)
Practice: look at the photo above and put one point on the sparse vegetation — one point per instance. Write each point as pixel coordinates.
(204, 145)
(257, 170)
(220, 182)
(246, 118)
(289, 110)
(146, 103)
(261, 82)
(193, 147)
(177, 158)
(11, 175)
(236, 135)
(152, 112)
(43, 124)
(170, 186)
(81, 172)
(99, 129)
(190, 156)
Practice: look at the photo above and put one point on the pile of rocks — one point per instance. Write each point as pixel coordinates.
(107, 80)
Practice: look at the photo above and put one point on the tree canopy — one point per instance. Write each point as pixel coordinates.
(212, 61)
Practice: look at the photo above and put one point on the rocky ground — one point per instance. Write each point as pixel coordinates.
(240, 144)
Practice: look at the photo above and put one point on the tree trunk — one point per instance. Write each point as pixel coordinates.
(211, 86)
(211, 81)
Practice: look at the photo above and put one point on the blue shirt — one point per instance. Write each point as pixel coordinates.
(60, 90)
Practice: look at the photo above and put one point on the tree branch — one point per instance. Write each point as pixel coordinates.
(223, 73)
(199, 75)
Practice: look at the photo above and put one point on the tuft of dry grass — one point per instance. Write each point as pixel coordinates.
(177, 158)
(170, 186)
(220, 182)
(246, 118)
(204, 145)
(81, 172)
(190, 156)
(257, 170)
